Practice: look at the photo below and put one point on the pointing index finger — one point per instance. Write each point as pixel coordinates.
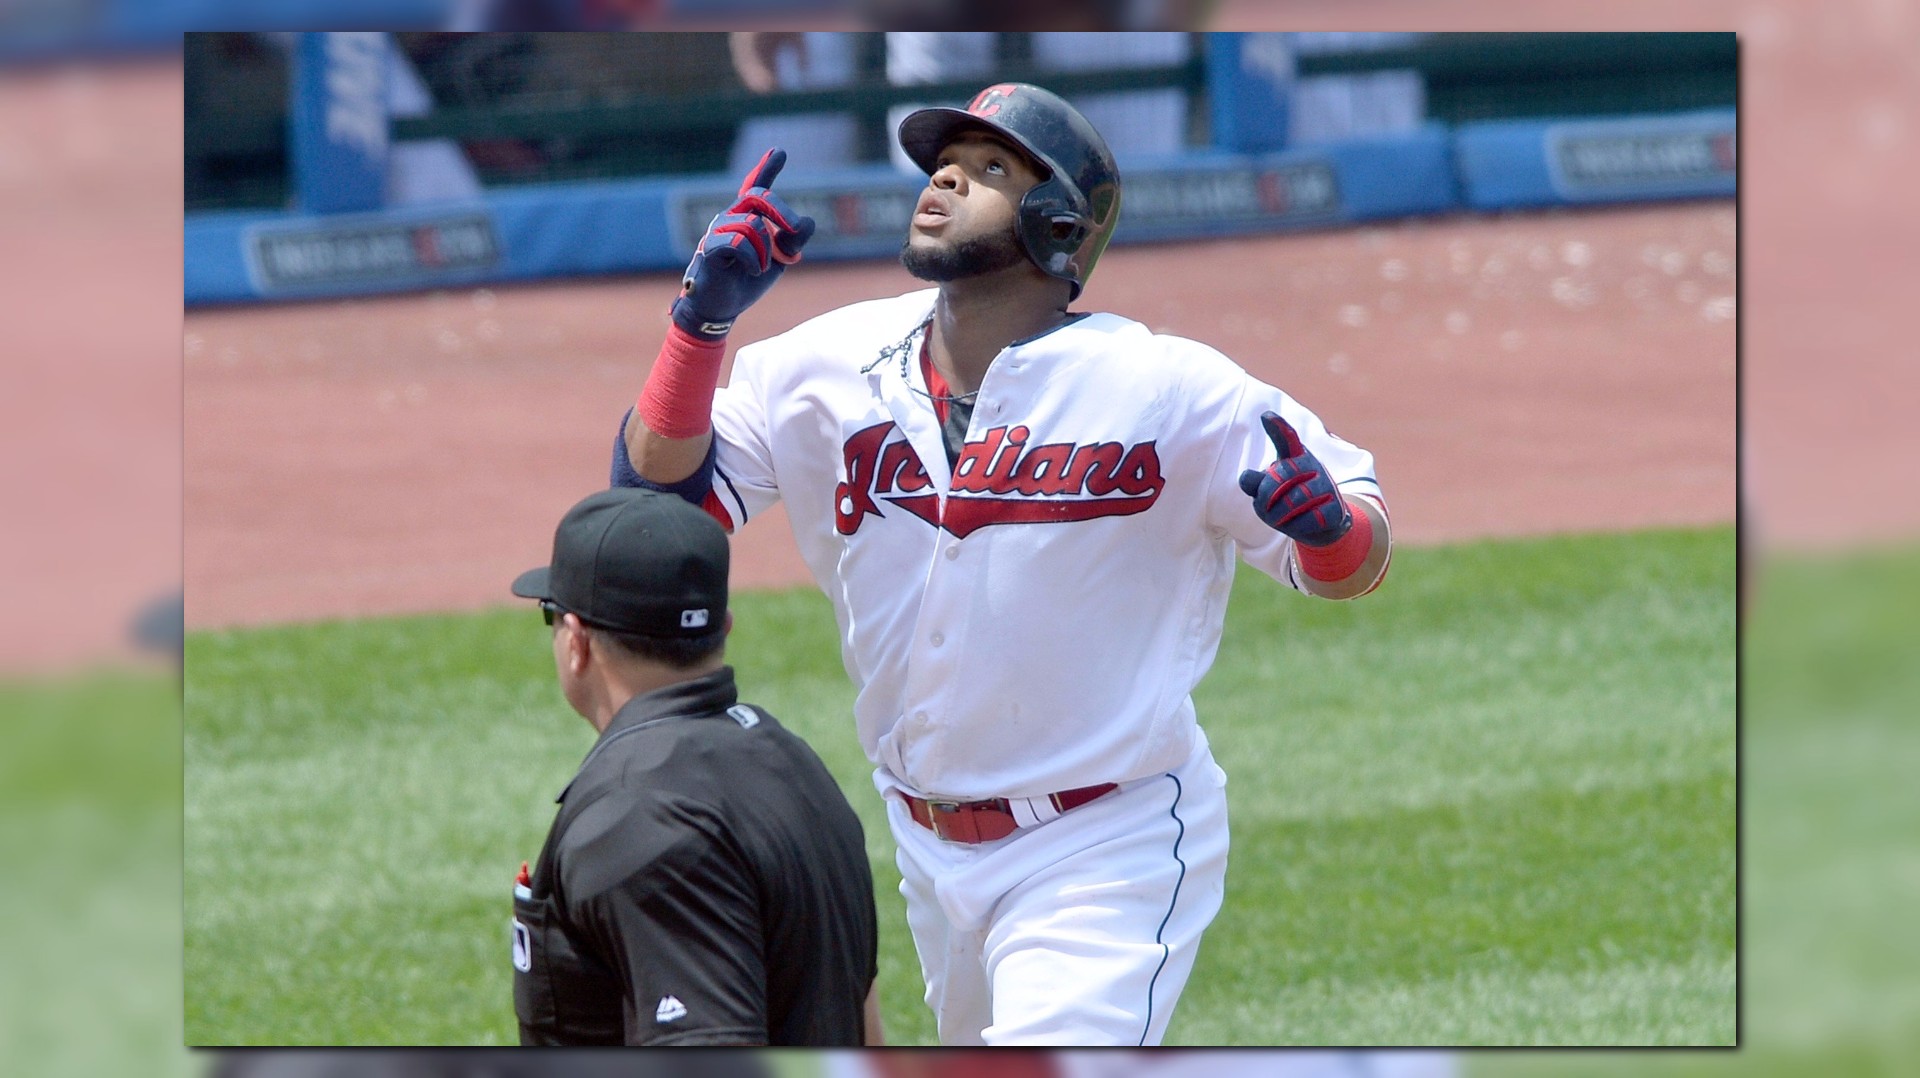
(763, 173)
(1285, 441)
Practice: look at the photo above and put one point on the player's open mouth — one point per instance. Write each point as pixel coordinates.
(929, 213)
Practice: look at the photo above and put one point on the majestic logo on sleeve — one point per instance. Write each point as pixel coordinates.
(1000, 479)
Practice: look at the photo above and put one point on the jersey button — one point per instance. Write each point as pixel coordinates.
(937, 639)
(953, 552)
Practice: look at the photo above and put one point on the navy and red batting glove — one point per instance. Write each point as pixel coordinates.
(744, 251)
(1294, 495)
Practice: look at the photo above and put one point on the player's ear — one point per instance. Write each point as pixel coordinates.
(726, 624)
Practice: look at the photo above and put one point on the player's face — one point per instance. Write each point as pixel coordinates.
(963, 225)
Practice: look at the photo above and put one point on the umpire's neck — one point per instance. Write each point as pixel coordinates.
(599, 677)
(976, 317)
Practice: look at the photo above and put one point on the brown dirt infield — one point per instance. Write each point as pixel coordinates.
(90, 193)
(1513, 374)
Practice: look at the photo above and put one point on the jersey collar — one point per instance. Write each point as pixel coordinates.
(708, 694)
(1072, 317)
(697, 696)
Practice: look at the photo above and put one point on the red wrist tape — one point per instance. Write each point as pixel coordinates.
(677, 401)
(1342, 558)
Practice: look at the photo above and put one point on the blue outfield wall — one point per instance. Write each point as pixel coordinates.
(572, 229)
(513, 234)
(569, 229)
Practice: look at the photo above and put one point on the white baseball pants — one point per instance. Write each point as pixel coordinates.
(1079, 931)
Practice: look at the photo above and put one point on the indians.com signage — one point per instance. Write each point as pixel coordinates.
(370, 252)
(1650, 156)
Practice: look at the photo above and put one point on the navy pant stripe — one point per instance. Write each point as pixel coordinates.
(1159, 934)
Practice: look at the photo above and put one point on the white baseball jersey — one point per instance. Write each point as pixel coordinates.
(1035, 618)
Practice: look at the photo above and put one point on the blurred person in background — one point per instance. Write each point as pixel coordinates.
(513, 73)
(1330, 108)
(705, 881)
(769, 62)
(1137, 122)
(419, 171)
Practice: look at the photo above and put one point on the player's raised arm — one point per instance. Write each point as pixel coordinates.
(668, 438)
(1342, 543)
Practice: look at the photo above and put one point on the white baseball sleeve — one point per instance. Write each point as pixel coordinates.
(744, 483)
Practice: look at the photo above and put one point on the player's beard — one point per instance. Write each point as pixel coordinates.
(968, 258)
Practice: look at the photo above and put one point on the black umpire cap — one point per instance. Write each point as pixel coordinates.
(636, 561)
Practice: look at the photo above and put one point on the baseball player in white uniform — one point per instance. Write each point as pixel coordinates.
(1027, 520)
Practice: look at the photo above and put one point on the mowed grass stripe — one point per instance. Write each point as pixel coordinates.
(1410, 901)
(1513, 765)
(1628, 1003)
(1482, 670)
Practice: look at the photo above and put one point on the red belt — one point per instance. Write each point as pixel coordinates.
(992, 819)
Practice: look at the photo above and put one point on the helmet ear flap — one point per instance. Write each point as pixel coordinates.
(1053, 226)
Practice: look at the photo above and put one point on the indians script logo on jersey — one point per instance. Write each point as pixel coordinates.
(1000, 479)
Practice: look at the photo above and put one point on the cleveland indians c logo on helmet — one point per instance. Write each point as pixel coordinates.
(987, 102)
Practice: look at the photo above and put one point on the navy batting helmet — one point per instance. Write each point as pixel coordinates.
(1067, 218)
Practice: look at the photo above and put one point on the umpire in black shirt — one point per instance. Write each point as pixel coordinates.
(705, 881)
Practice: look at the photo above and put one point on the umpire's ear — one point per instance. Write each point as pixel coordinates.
(579, 646)
(726, 626)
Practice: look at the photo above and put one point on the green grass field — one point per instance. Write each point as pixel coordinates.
(90, 828)
(1491, 804)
